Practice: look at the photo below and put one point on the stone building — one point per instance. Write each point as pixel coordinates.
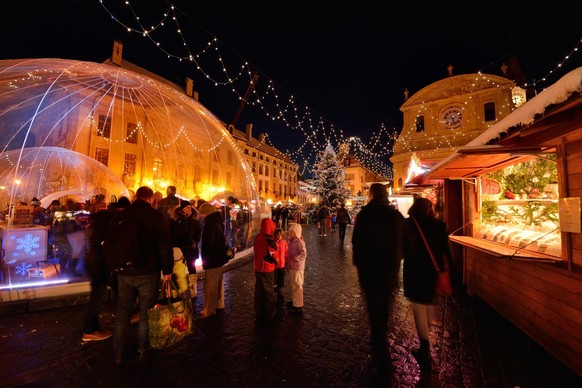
(448, 114)
(276, 175)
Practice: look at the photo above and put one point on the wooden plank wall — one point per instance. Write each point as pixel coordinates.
(574, 184)
(542, 300)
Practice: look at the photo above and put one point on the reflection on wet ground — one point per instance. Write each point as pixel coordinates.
(326, 346)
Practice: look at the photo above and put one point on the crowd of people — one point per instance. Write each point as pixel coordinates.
(180, 231)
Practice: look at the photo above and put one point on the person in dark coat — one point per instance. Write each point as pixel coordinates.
(322, 214)
(342, 219)
(377, 253)
(185, 229)
(419, 274)
(99, 275)
(213, 252)
(143, 281)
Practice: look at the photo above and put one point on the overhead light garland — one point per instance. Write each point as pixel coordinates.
(291, 112)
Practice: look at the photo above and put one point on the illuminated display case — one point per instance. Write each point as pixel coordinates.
(519, 207)
(24, 249)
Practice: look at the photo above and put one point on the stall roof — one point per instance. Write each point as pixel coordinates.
(477, 158)
(470, 162)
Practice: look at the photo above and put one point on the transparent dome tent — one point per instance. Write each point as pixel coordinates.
(73, 128)
(51, 173)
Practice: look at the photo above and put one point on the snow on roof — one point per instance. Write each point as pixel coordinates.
(525, 115)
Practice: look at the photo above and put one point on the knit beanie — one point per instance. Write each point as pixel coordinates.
(184, 204)
(296, 228)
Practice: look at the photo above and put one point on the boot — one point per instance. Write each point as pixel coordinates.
(193, 281)
(422, 354)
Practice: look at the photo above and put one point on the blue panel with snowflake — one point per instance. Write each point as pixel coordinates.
(24, 247)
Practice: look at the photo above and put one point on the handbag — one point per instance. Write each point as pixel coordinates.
(171, 319)
(443, 286)
(230, 251)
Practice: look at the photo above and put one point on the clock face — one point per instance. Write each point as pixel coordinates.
(452, 117)
(518, 99)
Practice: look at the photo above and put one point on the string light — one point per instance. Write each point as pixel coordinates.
(292, 113)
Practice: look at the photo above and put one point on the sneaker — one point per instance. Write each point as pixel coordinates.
(202, 316)
(134, 319)
(96, 336)
(294, 309)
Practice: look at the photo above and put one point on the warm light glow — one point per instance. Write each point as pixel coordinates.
(415, 168)
(34, 284)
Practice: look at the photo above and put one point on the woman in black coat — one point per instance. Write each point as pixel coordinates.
(185, 230)
(419, 274)
(213, 252)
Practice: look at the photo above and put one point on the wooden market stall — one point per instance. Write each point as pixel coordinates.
(522, 246)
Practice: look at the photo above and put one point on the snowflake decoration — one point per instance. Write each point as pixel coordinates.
(22, 269)
(28, 243)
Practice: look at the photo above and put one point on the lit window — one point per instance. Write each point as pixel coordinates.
(102, 155)
(131, 134)
(158, 168)
(104, 126)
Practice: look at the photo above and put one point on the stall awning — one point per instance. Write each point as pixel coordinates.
(473, 161)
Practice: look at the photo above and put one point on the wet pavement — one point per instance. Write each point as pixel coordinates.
(325, 346)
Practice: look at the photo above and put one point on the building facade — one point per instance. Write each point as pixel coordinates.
(358, 178)
(276, 175)
(448, 114)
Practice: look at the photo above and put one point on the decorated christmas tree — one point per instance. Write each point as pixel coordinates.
(330, 180)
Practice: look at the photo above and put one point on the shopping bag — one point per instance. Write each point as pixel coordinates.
(170, 320)
(443, 286)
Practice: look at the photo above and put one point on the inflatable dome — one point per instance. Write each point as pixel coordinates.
(75, 128)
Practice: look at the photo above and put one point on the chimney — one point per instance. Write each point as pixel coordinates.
(117, 52)
(249, 132)
(190, 89)
(189, 86)
(261, 137)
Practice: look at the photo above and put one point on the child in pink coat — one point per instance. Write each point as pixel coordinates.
(295, 266)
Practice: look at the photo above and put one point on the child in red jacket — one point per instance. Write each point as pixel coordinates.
(265, 252)
(280, 265)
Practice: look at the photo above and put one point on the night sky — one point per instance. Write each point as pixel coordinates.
(348, 61)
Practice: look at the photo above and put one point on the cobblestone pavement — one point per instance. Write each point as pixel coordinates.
(326, 346)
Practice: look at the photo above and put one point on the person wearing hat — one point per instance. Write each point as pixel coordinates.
(185, 230)
(212, 251)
